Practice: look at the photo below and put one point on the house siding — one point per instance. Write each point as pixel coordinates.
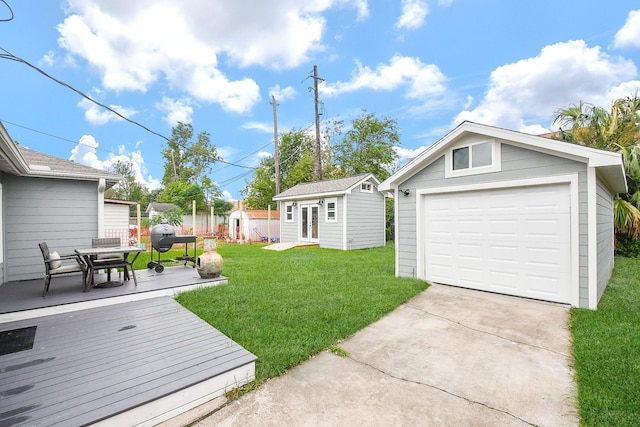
(331, 234)
(517, 163)
(62, 213)
(288, 230)
(605, 235)
(365, 221)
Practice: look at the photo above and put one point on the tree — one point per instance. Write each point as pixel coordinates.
(367, 147)
(182, 194)
(185, 159)
(615, 130)
(260, 192)
(128, 188)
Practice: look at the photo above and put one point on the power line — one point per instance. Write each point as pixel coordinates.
(8, 55)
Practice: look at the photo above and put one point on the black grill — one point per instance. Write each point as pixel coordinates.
(163, 237)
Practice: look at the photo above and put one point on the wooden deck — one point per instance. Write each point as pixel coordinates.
(137, 362)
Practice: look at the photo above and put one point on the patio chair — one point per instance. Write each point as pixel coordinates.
(56, 264)
(107, 262)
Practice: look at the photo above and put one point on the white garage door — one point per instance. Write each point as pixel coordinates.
(514, 241)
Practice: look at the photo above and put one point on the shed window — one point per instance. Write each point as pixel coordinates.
(481, 157)
(332, 210)
(366, 187)
(288, 212)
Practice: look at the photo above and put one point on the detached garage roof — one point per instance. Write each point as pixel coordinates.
(609, 164)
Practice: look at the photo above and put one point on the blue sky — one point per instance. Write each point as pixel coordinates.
(429, 64)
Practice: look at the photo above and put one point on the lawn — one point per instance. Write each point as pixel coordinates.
(607, 351)
(286, 306)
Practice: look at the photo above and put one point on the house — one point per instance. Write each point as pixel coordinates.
(502, 211)
(257, 225)
(345, 213)
(155, 208)
(45, 199)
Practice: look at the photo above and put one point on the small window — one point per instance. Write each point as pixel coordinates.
(288, 212)
(331, 210)
(366, 187)
(472, 159)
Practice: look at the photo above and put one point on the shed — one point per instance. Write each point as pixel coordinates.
(257, 225)
(507, 212)
(116, 219)
(45, 199)
(345, 213)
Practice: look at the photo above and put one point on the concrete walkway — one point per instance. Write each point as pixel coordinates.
(449, 356)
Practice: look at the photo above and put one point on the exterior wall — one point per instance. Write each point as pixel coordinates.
(605, 233)
(517, 163)
(365, 219)
(116, 222)
(331, 234)
(62, 213)
(288, 230)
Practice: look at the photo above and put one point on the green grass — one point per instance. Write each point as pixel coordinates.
(607, 351)
(286, 306)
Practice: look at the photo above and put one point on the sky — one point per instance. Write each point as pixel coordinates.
(428, 64)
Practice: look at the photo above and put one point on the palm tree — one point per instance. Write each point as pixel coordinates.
(616, 130)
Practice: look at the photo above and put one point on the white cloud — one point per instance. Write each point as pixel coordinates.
(407, 154)
(264, 154)
(629, 34)
(86, 154)
(48, 59)
(527, 92)
(420, 80)
(282, 94)
(413, 15)
(128, 42)
(262, 127)
(99, 116)
(178, 110)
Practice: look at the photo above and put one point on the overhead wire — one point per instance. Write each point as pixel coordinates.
(8, 55)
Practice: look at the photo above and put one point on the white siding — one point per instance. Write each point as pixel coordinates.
(62, 213)
(331, 233)
(116, 222)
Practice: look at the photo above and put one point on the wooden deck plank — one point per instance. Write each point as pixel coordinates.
(91, 364)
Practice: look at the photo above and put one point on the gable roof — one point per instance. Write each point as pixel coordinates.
(161, 207)
(21, 161)
(609, 164)
(330, 187)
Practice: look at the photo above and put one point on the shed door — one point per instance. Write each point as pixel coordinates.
(514, 241)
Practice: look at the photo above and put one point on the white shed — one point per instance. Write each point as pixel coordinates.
(257, 225)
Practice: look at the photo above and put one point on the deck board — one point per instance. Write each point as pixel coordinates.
(92, 364)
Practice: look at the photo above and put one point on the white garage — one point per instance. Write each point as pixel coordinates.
(505, 212)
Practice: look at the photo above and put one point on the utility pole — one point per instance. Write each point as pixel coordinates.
(276, 151)
(315, 96)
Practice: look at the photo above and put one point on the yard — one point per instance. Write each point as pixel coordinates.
(607, 351)
(287, 306)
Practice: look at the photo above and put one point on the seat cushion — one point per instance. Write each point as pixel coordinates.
(70, 268)
(55, 261)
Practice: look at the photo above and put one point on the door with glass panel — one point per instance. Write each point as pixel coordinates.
(309, 223)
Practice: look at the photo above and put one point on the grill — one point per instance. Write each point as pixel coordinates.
(163, 237)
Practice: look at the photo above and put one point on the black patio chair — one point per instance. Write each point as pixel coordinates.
(56, 264)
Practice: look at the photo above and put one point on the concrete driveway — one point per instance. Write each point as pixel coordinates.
(449, 356)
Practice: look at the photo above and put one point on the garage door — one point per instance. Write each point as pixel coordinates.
(514, 241)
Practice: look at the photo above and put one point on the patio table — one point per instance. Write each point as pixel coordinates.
(90, 257)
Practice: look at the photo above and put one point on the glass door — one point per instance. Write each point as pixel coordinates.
(309, 223)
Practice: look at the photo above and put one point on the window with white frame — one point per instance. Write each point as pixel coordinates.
(475, 158)
(288, 210)
(366, 187)
(331, 209)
